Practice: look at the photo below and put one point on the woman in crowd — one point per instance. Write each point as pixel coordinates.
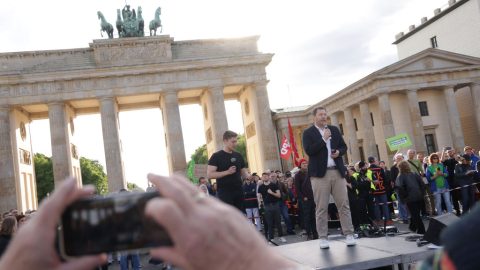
(410, 189)
(402, 208)
(437, 178)
(7, 230)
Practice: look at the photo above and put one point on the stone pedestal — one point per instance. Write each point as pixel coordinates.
(351, 139)
(454, 119)
(215, 118)
(173, 133)
(112, 144)
(369, 144)
(418, 134)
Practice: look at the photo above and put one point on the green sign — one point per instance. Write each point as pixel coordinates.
(398, 142)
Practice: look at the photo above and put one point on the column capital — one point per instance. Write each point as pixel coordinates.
(262, 83)
(109, 97)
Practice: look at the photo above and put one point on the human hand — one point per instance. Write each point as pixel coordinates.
(335, 153)
(232, 170)
(207, 234)
(33, 247)
(327, 134)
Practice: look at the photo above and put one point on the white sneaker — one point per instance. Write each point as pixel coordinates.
(351, 240)
(282, 239)
(324, 243)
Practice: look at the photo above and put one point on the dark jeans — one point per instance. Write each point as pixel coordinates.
(416, 223)
(232, 197)
(308, 210)
(366, 209)
(284, 212)
(272, 215)
(381, 202)
(354, 211)
(455, 194)
(468, 195)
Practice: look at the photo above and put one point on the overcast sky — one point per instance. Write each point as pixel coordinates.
(320, 47)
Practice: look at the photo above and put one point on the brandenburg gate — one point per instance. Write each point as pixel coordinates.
(127, 74)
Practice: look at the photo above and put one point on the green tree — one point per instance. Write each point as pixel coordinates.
(200, 156)
(94, 174)
(44, 175)
(134, 187)
(242, 147)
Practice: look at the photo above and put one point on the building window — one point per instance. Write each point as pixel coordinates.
(355, 123)
(430, 140)
(433, 41)
(423, 108)
(341, 128)
(371, 118)
(362, 154)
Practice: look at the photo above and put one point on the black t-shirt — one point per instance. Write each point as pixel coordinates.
(267, 197)
(223, 160)
(450, 164)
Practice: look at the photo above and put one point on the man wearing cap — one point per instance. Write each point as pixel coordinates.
(468, 150)
(306, 199)
(325, 146)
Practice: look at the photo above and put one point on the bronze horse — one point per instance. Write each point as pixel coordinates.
(154, 24)
(105, 26)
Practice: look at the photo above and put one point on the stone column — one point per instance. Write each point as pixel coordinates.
(387, 120)
(8, 191)
(173, 133)
(418, 134)
(61, 158)
(351, 140)
(475, 91)
(369, 144)
(334, 119)
(112, 144)
(266, 130)
(454, 119)
(215, 118)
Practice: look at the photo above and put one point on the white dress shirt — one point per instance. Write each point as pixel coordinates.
(330, 161)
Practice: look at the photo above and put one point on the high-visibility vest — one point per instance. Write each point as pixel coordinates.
(369, 175)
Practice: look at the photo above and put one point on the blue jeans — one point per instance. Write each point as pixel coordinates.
(286, 218)
(135, 261)
(438, 200)
(402, 209)
(383, 200)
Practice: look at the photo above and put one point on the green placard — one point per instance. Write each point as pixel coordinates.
(398, 142)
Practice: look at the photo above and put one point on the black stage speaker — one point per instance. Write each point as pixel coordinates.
(436, 225)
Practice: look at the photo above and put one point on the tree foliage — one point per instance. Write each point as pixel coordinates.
(44, 175)
(133, 187)
(92, 173)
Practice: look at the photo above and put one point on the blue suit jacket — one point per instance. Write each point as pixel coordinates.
(317, 150)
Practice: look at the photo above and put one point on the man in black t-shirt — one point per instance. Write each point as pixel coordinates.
(228, 167)
(270, 196)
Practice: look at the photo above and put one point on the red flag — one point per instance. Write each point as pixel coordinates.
(296, 158)
(285, 150)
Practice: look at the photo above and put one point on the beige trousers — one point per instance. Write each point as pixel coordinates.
(331, 183)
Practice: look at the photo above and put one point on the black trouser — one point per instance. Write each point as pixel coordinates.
(366, 209)
(232, 197)
(308, 210)
(272, 215)
(354, 211)
(468, 194)
(416, 223)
